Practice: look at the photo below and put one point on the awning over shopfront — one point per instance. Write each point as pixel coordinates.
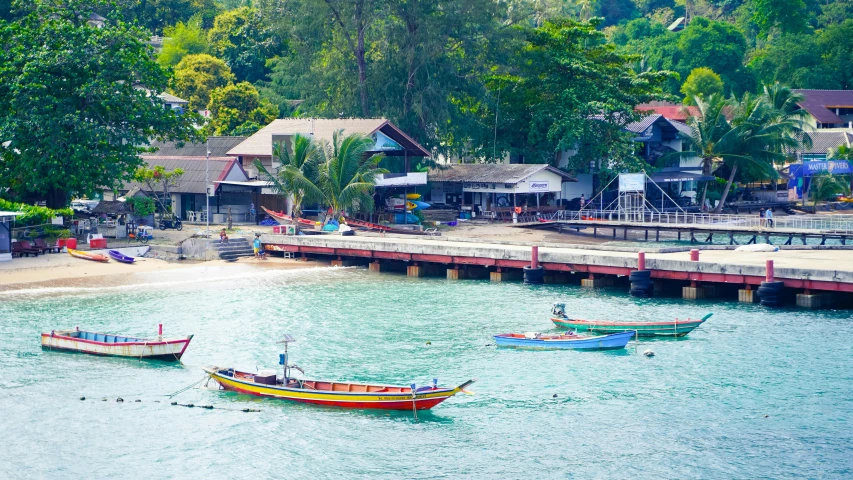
(668, 177)
(411, 179)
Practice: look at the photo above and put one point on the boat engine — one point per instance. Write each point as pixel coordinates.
(559, 310)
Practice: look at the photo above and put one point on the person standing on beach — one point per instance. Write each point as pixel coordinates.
(256, 246)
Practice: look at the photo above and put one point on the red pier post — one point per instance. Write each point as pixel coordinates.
(641, 260)
(769, 271)
(534, 256)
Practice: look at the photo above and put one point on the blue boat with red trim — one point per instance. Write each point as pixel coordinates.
(570, 341)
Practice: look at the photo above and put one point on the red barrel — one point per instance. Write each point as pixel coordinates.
(694, 255)
(71, 243)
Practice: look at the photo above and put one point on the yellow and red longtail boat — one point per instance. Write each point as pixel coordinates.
(95, 257)
(331, 393)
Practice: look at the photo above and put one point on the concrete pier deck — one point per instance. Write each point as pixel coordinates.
(827, 269)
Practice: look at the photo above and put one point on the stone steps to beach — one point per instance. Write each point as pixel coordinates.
(234, 248)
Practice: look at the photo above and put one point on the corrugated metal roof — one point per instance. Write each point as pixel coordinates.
(193, 179)
(816, 102)
(260, 144)
(491, 173)
(169, 98)
(824, 142)
(219, 147)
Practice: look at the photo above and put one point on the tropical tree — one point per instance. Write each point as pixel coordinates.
(73, 118)
(767, 126)
(158, 182)
(347, 174)
(197, 75)
(712, 137)
(181, 40)
(238, 110)
(701, 82)
(242, 38)
(825, 187)
(844, 153)
(298, 176)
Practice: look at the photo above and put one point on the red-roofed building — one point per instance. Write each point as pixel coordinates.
(670, 111)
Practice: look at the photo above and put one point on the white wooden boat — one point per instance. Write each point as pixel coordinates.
(158, 348)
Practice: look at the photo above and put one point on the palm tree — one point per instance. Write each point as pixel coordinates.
(844, 153)
(347, 174)
(824, 187)
(767, 127)
(713, 138)
(298, 175)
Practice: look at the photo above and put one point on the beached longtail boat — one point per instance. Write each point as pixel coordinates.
(674, 328)
(331, 393)
(283, 219)
(116, 345)
(95, 257)
(541, 341)
(120, 257)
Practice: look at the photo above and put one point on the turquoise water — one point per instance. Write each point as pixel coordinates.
(753, 393)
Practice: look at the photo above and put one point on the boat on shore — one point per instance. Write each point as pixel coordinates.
(120, 257)
(95, 257)
(115, 345)
(266, 383)
(674, 328)
(283, 219)
(544, 341)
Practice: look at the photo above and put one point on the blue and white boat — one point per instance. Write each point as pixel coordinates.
(542, 341)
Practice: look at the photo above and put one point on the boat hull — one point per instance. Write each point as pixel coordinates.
(148, 349)
(613, 341)
(120, 257)
(644, 329)
(353, 400)
(95, 257)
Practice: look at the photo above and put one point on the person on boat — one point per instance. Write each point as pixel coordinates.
(223, 237)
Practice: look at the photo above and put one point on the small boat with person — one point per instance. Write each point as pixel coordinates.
(267, 383)
(674, 328)
(565, 341)
(116, 345)
(95, 257)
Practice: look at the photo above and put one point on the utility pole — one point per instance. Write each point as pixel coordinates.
(207, 185)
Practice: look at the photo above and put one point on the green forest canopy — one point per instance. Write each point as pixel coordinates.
(452, 74)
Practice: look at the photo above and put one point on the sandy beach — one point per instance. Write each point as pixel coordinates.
(51, 269)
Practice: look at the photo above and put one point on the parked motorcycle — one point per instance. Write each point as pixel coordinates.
(171, 223)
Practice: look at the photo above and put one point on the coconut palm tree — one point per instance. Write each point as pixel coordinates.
(347, 174)
(767, 127)
(298, 175)
(713, 139)
(825, 187)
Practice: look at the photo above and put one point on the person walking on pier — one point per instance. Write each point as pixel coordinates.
(768, 217)
(761, 217)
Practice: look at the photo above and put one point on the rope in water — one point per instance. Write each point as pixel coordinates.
(192, 385)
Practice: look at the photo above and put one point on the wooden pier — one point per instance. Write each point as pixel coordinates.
(694, 233)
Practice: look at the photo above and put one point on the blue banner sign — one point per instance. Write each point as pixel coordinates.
(835, 167)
